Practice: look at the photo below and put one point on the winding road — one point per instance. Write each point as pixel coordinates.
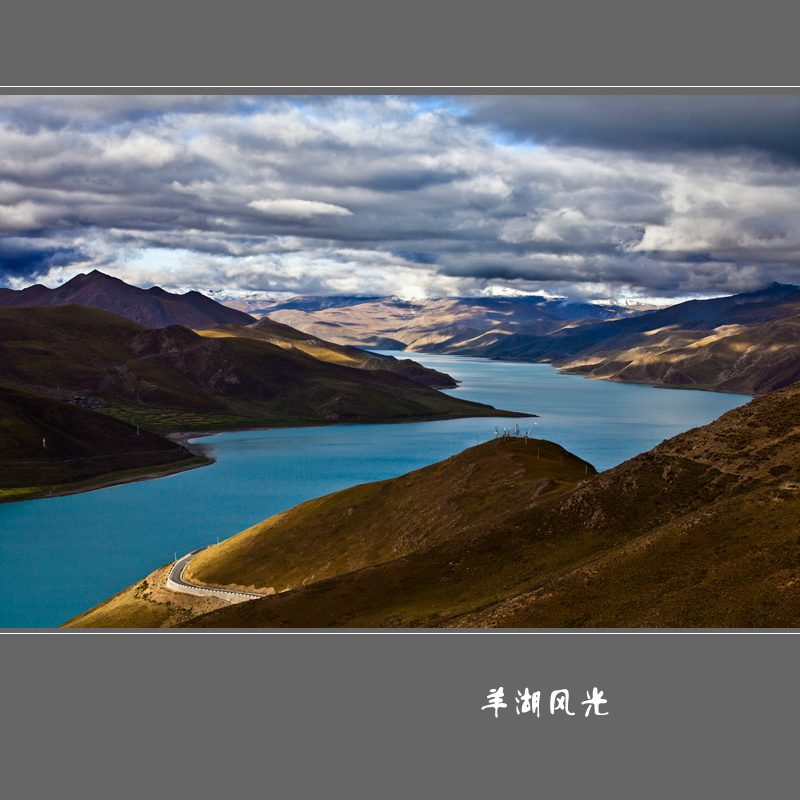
(178, 568)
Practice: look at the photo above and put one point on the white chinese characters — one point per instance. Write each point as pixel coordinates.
(594, 702)
(559, 700)
(527, 702)
(495, 698)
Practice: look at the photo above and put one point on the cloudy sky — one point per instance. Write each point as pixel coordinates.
(590, 197)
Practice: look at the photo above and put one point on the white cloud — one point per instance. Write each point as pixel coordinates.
(298, 209)
(139, 148)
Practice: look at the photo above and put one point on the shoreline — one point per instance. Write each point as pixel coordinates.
(182, 437)
(672, 386)
(112, 479)
(198, 458)
(578, 371)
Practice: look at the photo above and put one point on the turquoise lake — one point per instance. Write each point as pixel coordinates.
(61, 556)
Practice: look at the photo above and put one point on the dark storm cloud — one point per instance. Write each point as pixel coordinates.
(417, 257)
(98, 112)
(28, 259)
(590, 275)
(762, 122)
(409, 180)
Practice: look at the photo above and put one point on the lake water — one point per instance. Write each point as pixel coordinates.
(60, 556)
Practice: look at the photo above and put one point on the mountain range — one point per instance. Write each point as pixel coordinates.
(153, 307)
(100, 384)
(393, 323)
(698, 532)
(746, 343)
(175, 379)
(516, 532)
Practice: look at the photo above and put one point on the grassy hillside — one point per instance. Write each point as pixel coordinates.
(367, 525)
(49, 446)
(701, 531)
(378, 522)
(266, 330)
(173, 379)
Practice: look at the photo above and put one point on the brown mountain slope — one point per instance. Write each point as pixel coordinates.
(777, 301)
(47, 446)
(289, 338)
(745, 343)
(347, 530)
(173, 379)
(363, 526)
(700, 531)
(731, 358)
(430, 325)
(154, 307)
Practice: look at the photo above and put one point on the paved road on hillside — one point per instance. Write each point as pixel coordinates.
(176, 575)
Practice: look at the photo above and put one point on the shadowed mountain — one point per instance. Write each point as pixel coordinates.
(49, 446)
(747, 344)
(288, 338)
(154, 307)
(698, 532)
(173, 379)
(731, 358)
(701, 316)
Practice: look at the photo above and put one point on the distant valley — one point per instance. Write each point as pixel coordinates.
(392, 323)
(746, 343)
